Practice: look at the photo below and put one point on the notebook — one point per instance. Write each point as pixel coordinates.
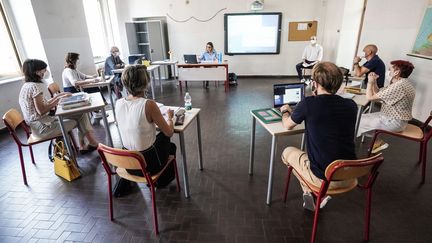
(190, 59)
(74, 98)
(288, 94)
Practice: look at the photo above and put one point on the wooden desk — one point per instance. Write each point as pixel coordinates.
(203, 72)
(106, 83)
(275, 129)
(150, 70)
(97, 103)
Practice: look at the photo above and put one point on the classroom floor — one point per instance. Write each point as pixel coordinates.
(226, 204)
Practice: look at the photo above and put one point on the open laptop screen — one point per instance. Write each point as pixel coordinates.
(191, 59)
(290, 94)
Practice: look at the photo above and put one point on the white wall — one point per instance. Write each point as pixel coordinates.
(190, 37)
(392, 25)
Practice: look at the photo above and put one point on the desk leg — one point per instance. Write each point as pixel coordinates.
(252, 147)
(185, 172)
(71, 152)
(359, 113)
(226, 79)
(152, 85)
(107, 129)
(199, 143)
(302, 145)
(160, 80)
(112, 102)
(270, 177)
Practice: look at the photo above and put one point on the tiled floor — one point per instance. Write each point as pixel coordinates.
(226, 205)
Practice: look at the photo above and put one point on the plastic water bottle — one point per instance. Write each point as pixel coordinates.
(188, 101)
(220, 57)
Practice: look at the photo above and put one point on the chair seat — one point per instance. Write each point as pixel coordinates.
(122, 172)
(412, 131)
(351, 184)
(34, 139)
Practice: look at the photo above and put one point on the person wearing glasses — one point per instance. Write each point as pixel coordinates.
(210, 55)
(329, 123)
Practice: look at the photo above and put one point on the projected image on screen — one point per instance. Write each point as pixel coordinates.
(257, 33)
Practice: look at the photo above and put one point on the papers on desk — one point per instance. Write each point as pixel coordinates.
(268, 115)
(347, 95)
(75, 100)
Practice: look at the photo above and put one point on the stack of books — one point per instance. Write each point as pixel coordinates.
(76, 100)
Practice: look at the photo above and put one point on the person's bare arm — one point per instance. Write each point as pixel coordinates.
(42, 107)
(359, 70)
(287, 122)
(372, 87)
(156, 116)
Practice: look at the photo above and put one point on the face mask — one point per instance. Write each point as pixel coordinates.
(116, 54)
(47, 74)
(389, 74)
(314, 88)
(78, 62)
(313, 42)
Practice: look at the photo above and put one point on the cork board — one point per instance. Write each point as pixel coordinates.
(302, 31)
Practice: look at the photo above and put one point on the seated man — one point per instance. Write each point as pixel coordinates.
(373, 64)
(329, 121)
(312, 54)
(114, 62)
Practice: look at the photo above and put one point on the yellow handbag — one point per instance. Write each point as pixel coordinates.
(64, 166)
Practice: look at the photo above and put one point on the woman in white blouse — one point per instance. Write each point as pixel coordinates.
(73, 78)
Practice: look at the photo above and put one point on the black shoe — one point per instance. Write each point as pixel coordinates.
(123, 187)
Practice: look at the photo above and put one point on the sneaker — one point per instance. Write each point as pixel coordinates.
(308, 201)
(379, 146)
(324, 201)
(303, 80)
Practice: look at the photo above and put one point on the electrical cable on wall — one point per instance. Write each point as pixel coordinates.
(193, 17)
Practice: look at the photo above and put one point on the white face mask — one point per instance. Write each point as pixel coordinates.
(313, 42)
(47, 74)
(116, 54)
(389, 74)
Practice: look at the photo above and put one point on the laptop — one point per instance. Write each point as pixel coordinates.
(288, 94)
(190, 59)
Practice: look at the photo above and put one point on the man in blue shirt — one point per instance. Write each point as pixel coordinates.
(329, 122)
(114, 62)
(373, 64)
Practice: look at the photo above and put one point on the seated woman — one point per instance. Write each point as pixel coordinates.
(35, 107)
(397, 100)
(137, 118)
(210, 54)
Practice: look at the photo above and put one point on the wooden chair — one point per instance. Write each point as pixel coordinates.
(13, 119)
(53, 88)
(134, 160)
(344, 170)
(419, 134)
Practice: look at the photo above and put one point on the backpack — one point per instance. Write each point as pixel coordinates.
(232, 78)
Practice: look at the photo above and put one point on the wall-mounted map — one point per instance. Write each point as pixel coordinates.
(423, 43)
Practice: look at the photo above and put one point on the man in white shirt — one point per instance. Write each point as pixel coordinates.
(312, 54)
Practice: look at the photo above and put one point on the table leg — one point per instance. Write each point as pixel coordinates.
(302, 145)
(66, 140)
(270, 177)
(359, 113)
(152, 84)
(185, 172)
(112, 101)
(199, 143)
(252, 147)
(160, 80)
(107, 129)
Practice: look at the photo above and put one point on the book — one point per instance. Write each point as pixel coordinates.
(76, 105)
(268, 115)
(74, 98)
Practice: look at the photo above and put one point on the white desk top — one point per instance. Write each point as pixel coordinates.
(149, 69)
(98, 84)
(359, 99)
(96, 104)
(276, 128)
(165, 62)
(190, 116)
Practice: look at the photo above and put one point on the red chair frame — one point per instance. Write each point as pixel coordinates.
(12, 130)
(423, 142)
(332, 169)
(102, 149)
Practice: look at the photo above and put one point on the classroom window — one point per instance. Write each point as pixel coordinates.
(9, 62)
(98, 26)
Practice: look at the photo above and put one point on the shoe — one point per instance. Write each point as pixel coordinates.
(308, 201)
(303, 80)
(97, 115)
(379, 146)
(90, 148)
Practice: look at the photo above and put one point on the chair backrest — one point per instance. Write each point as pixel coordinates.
(427, 135)
(12, 118)
(351, 169)
(53, 88)
(126, 159)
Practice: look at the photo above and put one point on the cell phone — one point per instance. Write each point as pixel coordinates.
(180, 112)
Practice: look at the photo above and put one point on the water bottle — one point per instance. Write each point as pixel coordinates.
(188, 101)
(220, 57)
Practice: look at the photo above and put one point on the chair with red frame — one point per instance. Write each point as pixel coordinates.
(13, 119)
(133, 160)
(344, 170)
(419, 134)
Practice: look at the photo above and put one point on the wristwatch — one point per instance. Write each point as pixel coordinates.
(286, 111)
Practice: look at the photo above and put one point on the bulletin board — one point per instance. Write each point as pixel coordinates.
(302, 31)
